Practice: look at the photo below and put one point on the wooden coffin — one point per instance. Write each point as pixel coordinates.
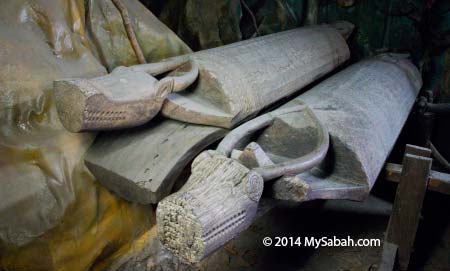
(364, 109)
(236, 81)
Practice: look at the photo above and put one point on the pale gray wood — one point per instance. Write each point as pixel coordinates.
(364, 107)
(219, 200)
(233, 139)
(222, 194)
(253, 156)
(127, 97)
(292, 165)
(142, 164)
(362, 136)
(238, 80)
(115, 174)
(297, 189)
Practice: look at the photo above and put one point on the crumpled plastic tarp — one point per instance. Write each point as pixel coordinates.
(53, 213)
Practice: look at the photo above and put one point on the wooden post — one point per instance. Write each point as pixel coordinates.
(408, 203)
(388, 257)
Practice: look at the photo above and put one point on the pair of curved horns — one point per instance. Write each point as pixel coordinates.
(184, 72)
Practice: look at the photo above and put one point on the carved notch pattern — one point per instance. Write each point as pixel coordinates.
(226, 225)
(92, 116)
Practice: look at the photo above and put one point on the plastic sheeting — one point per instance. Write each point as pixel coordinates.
(53, 214)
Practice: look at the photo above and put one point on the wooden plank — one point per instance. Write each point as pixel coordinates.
(416, 150)
(142, 164)
(408, 203)
(388, 257)
(438, 181)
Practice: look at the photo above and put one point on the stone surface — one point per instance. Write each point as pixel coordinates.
(53, 214)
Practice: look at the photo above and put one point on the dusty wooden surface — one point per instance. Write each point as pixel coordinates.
(141, 164)
(225, 188)
(388, 257)
(438, 181)
(343, 103)
(127, 97)
(361, 135)
(218, 201)
(238, 80)
(407, 207)
(253, 75)
(297, 120)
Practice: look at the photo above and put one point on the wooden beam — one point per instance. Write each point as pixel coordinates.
(416, 150)
(408, 203)
(388, 257)
(142, 164)
(438, 181)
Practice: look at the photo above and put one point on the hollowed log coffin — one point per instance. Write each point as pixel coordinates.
(363, 107)
(235, 82)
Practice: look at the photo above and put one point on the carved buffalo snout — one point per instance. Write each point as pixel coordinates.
(218, 202)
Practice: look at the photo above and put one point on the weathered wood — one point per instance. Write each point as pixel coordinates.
(290, 165)
(228, 64)
(142, 164)
(253, 156)
(299, 190)
(438, 181)
(215, 190)
(407, 206)
(246, 130)
(291, 135)
(388, 257)
(127, 97)
(361, 134)
(207, 213)
(238, 80)
(417, 150)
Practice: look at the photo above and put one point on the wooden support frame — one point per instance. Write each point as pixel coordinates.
(388, 257)
(438, 181)
(404, 221)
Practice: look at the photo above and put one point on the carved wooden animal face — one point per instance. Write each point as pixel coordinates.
(127, 97)
(218, 201)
